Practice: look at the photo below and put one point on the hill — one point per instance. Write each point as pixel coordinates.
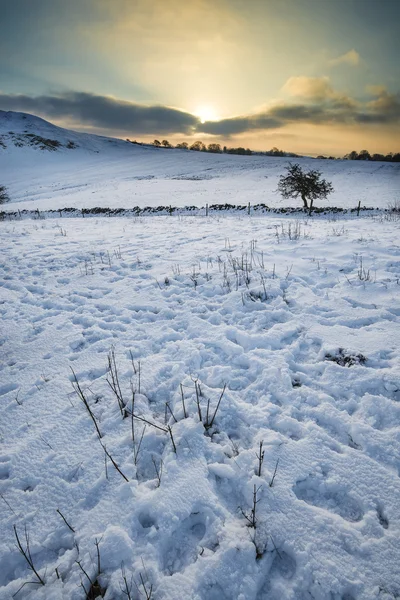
(45, 166)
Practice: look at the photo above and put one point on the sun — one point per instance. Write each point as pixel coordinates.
(206, 113)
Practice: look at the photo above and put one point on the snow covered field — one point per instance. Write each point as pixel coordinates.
(106, 172)
(298, 319)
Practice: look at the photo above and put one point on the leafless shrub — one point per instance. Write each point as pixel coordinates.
(251, 517)
(362, 273)
(26, 553)
(208, 420)
(114, 463)
(271, 483)
(144, 587)
(65, 520)
(260, 457)
(113, 381)
(136, 369)
(156, 426)
(78, 390)
(126, 588)
(158, 470)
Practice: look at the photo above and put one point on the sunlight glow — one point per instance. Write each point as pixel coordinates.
(206, 113)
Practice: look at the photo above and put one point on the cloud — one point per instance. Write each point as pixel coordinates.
(335, 109)
(351, 58)
(376, 90)
(318, 104)
(309, 87)
(384, 109)
(104, 112)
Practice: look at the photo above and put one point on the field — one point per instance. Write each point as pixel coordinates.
(199, 408)
(112, 173)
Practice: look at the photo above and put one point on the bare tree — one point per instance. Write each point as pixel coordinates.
(308, 185)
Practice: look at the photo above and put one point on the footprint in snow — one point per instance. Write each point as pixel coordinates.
(8, 387)
(383, 520)
(318, 492)
(185, 548)
(283, 568)
(5, 470)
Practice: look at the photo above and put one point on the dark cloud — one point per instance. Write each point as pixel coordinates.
(112, 115)
(227, 127)
(103, 112)
(337, 110)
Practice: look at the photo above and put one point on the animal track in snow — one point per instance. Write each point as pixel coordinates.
(146, 520)
(320, 493)
(383, 520)
(283, 565)
(5, 467)
(283, 569)
(8, 387)
(185, 549)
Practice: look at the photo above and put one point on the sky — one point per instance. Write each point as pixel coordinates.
(307, 76)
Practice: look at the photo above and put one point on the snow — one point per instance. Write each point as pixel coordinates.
(302, 329)
(113, 173)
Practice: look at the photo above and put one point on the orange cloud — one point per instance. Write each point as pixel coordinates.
(317, 88)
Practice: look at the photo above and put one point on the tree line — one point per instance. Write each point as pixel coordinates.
(199, 146)
(365, 155)
(215, 148)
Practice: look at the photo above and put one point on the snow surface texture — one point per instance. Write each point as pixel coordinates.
(113, 173)
(300, 321)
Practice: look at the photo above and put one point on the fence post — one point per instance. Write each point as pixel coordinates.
(358, 208)
(206, 210)
(248, 209)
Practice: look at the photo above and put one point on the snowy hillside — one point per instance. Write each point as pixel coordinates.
(84, 170)
(200, 408)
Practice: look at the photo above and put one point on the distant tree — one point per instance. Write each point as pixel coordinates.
(214, 148)
(353, 155)
(4, 197)
(239, 150)
(364, 155)
(308, 185)
(157, 143)
(224, 149)
(275, 152)
(197, 146)
(182, 146)
(166, 144)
